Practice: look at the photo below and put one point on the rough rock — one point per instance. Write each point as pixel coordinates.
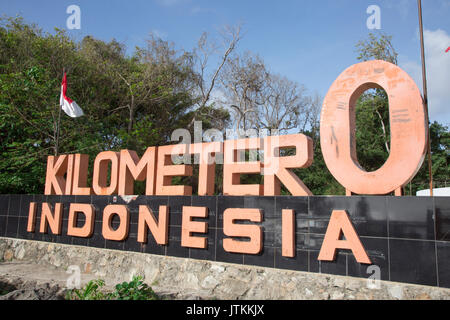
(179, 278)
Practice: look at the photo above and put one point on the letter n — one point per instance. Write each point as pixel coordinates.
(158, 229)
(50, 219)
(340, 224)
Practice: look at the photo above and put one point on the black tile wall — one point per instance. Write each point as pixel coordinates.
(131, 244)
(114, 245)
(299, 262)
(442, 205)
(224, 256)
(77, 241)
(25, 204)
(12, 226)
(22, 232)
(174, 247)
(153, 248)
(3, 220)
(300, 207)
(97, 240)
(211, 203)
(408, 238)
(176, 209)
(266, 258)
(368, 214)
(378, 251)
(313, 262)
(14, 205)
(338, 266)
(411, 217)
(4, 204)
(210, 252)
(443, 259)
(413, 261)
(64, 238)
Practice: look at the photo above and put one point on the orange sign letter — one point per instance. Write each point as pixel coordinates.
(88, 228)
(254, 232)
(159, 230)
(276, 168)
(48, 219)
(133, 168)
(340, 223)
(188, 226)
(407, 123)
(122, 231)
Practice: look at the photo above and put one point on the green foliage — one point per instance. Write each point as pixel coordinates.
(137, 101)
(129, 101)
(377, 47)
(372, 129)
(136, 289)
(440, 156)
(317, 177)
(90, 292)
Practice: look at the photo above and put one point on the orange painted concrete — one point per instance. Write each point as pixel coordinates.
(340, 224)
(252, 231)
(407, 123)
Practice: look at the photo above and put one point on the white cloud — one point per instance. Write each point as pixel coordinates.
(438, 74)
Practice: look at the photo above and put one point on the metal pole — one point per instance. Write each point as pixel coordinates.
(425, 94)
(58, 123)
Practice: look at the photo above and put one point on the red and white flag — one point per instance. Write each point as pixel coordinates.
(69, 106)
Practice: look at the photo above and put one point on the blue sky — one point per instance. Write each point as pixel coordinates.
(311, 42)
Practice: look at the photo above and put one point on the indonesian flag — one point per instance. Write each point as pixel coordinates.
(69, 106)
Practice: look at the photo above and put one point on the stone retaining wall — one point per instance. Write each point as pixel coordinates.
(214, 280)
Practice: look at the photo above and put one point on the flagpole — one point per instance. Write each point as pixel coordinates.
(58, 123)
(425, 94)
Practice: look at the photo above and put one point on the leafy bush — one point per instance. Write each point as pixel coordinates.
(136, 289)
(89, 292)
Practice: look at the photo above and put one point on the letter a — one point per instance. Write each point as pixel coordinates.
(341, 224)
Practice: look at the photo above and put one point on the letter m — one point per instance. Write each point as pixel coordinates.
(131, 169)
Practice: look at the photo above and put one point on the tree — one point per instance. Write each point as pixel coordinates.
(282, 105)
(440, 156)
(373, 129)
(129, 101)
(206, 84)
(372, 107)
(263, 100)
(377, 47)
(243, 79)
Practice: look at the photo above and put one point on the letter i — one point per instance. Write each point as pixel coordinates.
(288, 233)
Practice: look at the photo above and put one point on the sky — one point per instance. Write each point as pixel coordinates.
(310, 42)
